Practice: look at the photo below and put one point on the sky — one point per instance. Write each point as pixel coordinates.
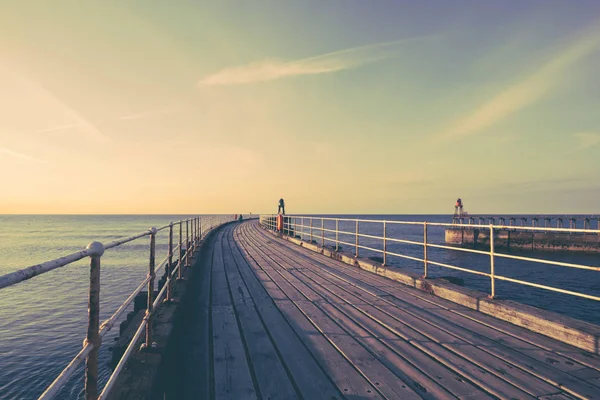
(338, 106)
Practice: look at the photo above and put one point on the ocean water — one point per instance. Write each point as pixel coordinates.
(43, 320)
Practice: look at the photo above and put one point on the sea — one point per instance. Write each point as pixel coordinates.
(43, 320)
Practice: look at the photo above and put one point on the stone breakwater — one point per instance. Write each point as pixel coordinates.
(524, 240)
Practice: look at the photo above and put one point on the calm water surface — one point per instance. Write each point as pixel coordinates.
(43, 321)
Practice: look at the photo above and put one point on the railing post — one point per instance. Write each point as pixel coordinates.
(384, 243)
(95, 251)
(492, 271)
(322, 232)
(337, 229)
(425, 250)
(200, 227)
(295, 226)
(180, 272)
(187, 243)
(193, 235)
(311, 226)
(151, 274)
(356, 238)
(170, 266)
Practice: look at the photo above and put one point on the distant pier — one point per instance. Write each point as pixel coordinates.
(544, 233)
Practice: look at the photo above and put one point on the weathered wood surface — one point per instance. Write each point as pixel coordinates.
(281, 322)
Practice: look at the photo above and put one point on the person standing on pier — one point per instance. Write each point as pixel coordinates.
(281, 208)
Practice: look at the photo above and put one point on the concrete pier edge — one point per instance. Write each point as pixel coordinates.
(574, 332)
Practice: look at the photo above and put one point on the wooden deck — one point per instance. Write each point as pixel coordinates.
(267, 319)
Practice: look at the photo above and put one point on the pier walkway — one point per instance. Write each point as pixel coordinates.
(267, 319)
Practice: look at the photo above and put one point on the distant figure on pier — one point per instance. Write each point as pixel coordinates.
(281, 208)
(240, 218)
(458, 212)
(458, 208)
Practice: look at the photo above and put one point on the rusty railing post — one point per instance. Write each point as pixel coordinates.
(170, 266)
(152, 275)
(492, 267)
(424, 250)
(322, 232)
(95, 251)
(384, 243)
(311, 226)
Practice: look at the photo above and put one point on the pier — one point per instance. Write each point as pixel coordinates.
(275, 320)
(289, 307)
(515, 232)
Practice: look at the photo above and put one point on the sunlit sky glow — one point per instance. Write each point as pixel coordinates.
(341, 106)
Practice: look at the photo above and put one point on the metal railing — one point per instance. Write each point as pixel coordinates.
(191, 233)
(305, 227)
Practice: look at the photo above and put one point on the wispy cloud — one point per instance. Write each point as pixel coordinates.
(527, 91)
(21, 156)
(586, 140)
(269, 70)
(59, 128)
(148, 114)
(77, 120)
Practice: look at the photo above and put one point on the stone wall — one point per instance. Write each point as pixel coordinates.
(504, 238)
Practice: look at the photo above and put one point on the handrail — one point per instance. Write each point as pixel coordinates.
(297, 225)
(196, 230)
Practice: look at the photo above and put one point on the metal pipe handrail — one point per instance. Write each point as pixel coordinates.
(446, 224)
(96, 331)
(296, 224)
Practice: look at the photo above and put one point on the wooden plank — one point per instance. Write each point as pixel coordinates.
(239, 292)
(270, 267)
(503, 352)
(559, 348)
(310, 379)
(497, 357)
(421, 339)
(329, 328)
(542, 370)
(232, 378)
(422, 384)
(389, 385)
(448, 338)
(453, 382)
(345, 377)
(556, 360)
(520, 379)
(342, 373)
(272, 378)
(219, 286)
(558, 396)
